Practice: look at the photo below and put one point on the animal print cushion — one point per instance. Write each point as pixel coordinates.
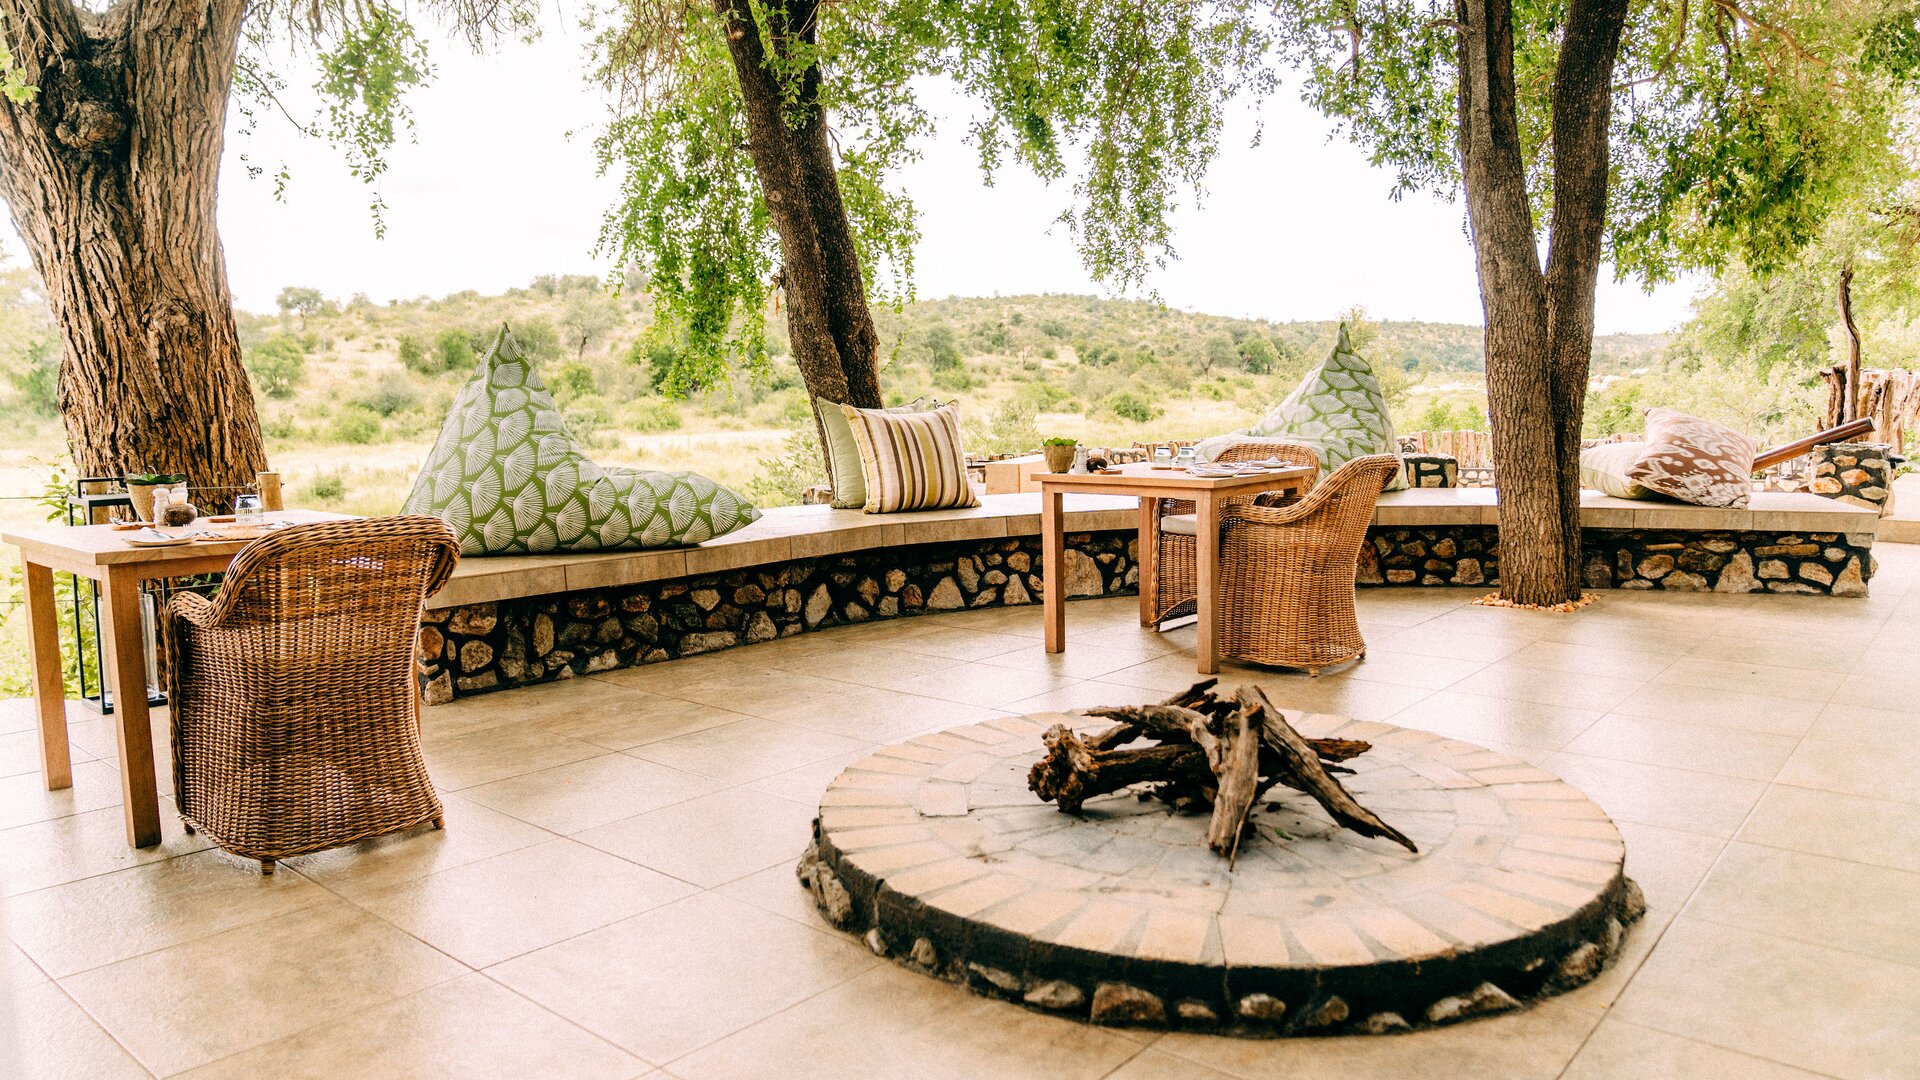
(1695, 460)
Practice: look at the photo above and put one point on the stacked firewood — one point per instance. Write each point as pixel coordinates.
(1206, 749)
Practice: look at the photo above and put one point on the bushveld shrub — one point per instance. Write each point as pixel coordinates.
(393, 393)
(573, 380)
(649, 417)
(953, 379)
(277, 365)
(356, 424)
(454, 349)
(327, 487)
(1131, 406)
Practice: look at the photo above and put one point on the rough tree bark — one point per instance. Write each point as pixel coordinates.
(111, 173)
(829, 324)
(1539, 323)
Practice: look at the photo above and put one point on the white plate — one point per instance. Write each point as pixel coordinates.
(153, 538)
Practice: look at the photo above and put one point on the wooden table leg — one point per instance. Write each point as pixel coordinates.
(1148, 561)
(1053, 568)
(1206, 559)
(49, 684)
(122, 642)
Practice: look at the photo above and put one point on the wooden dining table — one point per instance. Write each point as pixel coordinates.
(1207, 493)
(102, 553)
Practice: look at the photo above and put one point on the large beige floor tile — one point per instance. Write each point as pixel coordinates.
(1480, 719)
(24, 799)
(1531, 1045)
(98, 920)
(711, 840)
(472, 833)
(1334, 694)
(45, 1036)
(495, 753)
(1622, 1051)
(1152, 1064)
(1410, 669)
(1726, 706)
(484, 912)
(934, 639)
(1702, 747)
(808, 782)
(470, 1027)
(1866, 726)
(1876, 831)
(1833, 902)
(909, 1026)
(17, 969)
(1592, 627)
(620, 725)
(1753, 676)
(1568, 689)
(746, 749)
(778, 891)
(1876, 772)
(1092, 694)
(869, 714)
(987, 687)
(1452, 644)
(1833, 1012)
(1083, 660)
(82, 845)
(585, 794)
(20, 752)
(1774, 652)
(1881, 688)
(1699, 802)
(216, 996)
(672, 980)
(1591, 659)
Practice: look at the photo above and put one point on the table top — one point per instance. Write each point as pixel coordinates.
(1140, 476)
(103, 545)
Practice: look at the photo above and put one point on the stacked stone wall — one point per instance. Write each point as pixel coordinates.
(1837, 564)
(492, 646)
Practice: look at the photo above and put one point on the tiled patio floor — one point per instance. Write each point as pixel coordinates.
(614, 893)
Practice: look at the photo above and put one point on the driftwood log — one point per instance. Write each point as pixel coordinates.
(1208, 750)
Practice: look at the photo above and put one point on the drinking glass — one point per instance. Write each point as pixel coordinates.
(246, 509)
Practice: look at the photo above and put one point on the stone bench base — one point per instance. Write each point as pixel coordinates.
(520, 641)
(1833, 564)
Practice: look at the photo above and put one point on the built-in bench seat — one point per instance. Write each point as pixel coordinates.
(782, 534)
(511, 620)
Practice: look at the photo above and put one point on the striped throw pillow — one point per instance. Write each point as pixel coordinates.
(911, 461)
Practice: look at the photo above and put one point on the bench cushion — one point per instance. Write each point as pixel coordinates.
(911, 461)
(1694, 460)
(509, 478)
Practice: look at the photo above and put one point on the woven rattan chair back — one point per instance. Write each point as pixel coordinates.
(294, 706)
(1176, 577)
(1286, 575)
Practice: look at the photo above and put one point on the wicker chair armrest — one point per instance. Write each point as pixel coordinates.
(195, 609)
(1340, 485)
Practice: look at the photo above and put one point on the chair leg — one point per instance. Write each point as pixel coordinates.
(438, 824)
(266, 867)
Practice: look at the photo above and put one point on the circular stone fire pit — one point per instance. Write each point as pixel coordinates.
(937, 853)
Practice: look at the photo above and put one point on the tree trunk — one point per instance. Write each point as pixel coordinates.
(1850, 381)
(112, 173)
(829, 325)
(1539, 324)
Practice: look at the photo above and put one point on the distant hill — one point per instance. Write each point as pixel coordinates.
(1030, 325)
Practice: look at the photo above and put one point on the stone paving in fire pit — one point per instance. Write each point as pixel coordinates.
(937, 853)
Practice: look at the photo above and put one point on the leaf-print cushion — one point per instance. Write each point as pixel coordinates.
(509, 478)
(1695, 460)
(1337, 409)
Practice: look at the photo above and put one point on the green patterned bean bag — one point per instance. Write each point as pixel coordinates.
(1337, 409)
(509, 478)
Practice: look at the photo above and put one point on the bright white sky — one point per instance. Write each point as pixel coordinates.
(501, 187)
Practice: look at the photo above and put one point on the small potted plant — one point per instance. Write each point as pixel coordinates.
(141, 486)
(1059, 454)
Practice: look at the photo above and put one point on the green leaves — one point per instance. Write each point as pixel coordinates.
(1738, 128)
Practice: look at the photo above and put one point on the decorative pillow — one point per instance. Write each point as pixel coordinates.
(509, 478)
(1337, 409)
(1695, 460)
(843, 454)
(911, 461)
(1604, 469)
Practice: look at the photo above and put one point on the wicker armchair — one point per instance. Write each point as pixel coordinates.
(294, 708)
(1286, 573)
(1175, 578)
